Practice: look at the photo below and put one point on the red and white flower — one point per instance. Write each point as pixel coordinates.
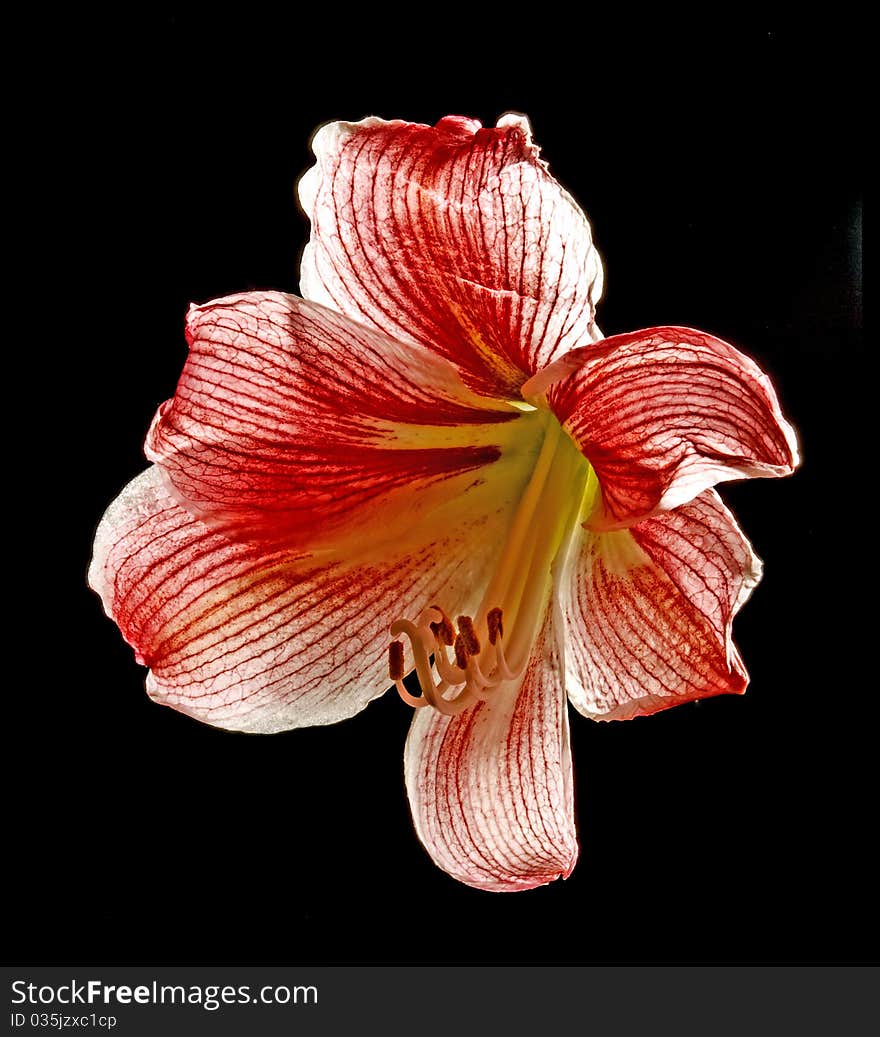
(435, 446)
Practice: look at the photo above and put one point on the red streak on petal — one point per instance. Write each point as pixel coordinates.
(454, 236)
(664, 413)
(656, 632)
(281, 422)
(490, 789)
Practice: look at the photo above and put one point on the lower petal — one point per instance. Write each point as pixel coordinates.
(649, 612)
(252, 639)
(491, 788)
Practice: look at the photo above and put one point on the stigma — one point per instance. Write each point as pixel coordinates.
(477, 667)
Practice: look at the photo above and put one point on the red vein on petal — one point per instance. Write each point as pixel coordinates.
(440, 212)
(664, 413)
(489, 788)
(241, 637)
(657, 632)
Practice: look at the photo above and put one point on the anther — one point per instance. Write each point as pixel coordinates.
(468, 635)
(395, 660)
(461, 652)
(495, 623)
(444, 631)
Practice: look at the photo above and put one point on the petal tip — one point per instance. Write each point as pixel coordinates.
(515, 120)
(648, 705)
(561, 869)
(327, 139)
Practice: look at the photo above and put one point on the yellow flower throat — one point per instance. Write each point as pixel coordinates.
(492, 648)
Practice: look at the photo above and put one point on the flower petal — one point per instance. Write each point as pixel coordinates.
(258, 640)
(649, 611)
(454, 236)
(292, 423)
(491, 788)
(662, 415)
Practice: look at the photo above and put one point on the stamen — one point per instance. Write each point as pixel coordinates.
(495, 623)
(484, 663)
(452, 707)
(432, 692)
(478, 681)
(461, 654)
(420, 655)
(444, 631)
(450, 674)
(410, 700)
(503, 669)
(395, 661)
(469, 636)
(474, 675)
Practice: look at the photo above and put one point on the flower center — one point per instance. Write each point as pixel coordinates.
(492, 648)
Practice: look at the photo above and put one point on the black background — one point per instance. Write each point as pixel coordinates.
(721, 172)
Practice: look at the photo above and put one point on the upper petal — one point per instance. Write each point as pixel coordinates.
(254, 639)
(295, 425)
(649, 611)
(491, 789)
(454, 236)
(664, 413)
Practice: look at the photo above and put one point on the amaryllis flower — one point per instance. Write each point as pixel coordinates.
(435, 449)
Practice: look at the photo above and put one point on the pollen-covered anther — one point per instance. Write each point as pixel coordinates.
(448, 689)
(395, 661)
(461, 652)
(495, 624)
(443, 630)
(468, 635)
